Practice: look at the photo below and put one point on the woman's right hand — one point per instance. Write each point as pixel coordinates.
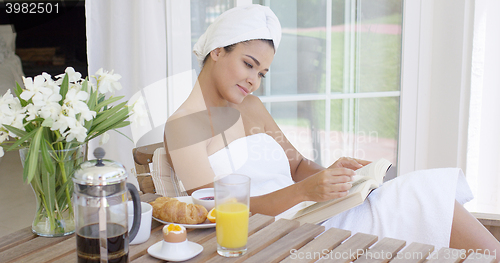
(328, 184)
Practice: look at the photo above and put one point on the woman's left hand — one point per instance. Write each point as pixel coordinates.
(348, 162)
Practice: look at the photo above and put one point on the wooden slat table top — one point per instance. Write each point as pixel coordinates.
(269, 241)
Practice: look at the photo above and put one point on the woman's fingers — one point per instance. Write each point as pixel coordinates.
(340, 175)
(349, 162)
(329, 184)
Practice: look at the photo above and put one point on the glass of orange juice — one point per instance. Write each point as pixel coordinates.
(232, 202)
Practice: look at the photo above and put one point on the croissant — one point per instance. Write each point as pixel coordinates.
(174, 211)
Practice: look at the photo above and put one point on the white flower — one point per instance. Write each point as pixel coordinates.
(107, 81)
(34, 88)
(139, 113)
(75, 102)
(78, 131)
(3, 136)
(104, 138)
(65, 120)
(31, 112)
(11, 112)
(50, 110)
(50, 83)
(47, 96)
(73, 76)
(1, 151)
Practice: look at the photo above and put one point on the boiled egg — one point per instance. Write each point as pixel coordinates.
(174, 233)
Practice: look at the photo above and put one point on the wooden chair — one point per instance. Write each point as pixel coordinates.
(144, 157)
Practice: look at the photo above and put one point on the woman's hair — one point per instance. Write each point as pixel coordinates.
(230, 48)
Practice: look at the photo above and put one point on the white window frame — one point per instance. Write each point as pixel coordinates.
(435, 84)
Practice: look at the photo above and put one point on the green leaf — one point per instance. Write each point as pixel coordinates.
(108, 101)
(18, 90)
(32, 161)
(46, 159)
(25, 171)
(47, 122)
(120, 124)
(26, 137)
(48, 187)
(112, 120)
(64, 88)
(85, 85)
(61, 192)
(16, 131)
(104, 115)
(93, 99)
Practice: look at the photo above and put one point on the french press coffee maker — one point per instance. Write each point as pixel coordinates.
(100, 201)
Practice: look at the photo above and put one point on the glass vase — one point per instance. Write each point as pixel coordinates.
(54, 191)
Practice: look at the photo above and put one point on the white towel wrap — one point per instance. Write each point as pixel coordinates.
(236, 25)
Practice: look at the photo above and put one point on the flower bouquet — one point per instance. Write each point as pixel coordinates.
(50, 121)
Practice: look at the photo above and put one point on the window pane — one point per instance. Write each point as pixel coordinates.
(370, 132)
(378, 128)
(303, 123)
(376, 59)
(299, 64)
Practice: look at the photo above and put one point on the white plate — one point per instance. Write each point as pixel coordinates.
(188, 250)
(188, 200)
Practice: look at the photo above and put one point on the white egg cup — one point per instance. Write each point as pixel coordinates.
(174, 248)
(175, 251)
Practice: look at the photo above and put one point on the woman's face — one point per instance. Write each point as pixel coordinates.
(240, 71)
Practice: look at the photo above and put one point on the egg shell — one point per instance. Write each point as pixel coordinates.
(174, 236)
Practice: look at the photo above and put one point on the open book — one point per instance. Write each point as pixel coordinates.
(366, 179)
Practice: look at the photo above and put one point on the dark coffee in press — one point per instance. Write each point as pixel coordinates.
(88, 249)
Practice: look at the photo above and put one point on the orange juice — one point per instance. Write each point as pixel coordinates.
(232, 225)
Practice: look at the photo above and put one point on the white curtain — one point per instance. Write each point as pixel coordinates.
(483, 155)
(129, 37)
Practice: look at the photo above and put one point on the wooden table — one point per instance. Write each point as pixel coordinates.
(269, 241)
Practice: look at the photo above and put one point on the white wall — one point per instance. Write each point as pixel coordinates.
(435, 83)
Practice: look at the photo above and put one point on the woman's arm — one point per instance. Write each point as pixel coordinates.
(325, 185)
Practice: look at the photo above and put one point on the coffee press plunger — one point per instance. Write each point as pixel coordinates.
(100, 200)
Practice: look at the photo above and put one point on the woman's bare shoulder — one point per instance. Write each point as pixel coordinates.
(252, 103)
(186, 119)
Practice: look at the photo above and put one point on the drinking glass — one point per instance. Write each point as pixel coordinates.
(232, 202)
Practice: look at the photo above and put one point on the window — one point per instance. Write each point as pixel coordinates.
(334, 85)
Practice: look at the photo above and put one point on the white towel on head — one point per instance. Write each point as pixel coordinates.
(236, 25)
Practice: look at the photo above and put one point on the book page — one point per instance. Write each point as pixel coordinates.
(375, 170)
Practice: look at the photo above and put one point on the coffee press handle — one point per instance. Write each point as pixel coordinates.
(136, 200)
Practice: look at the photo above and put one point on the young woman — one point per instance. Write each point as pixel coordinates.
(222, 128)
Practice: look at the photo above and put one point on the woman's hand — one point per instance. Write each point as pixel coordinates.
(348, 162)
(328, 184)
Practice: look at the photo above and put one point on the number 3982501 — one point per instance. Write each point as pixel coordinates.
(31, 8)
